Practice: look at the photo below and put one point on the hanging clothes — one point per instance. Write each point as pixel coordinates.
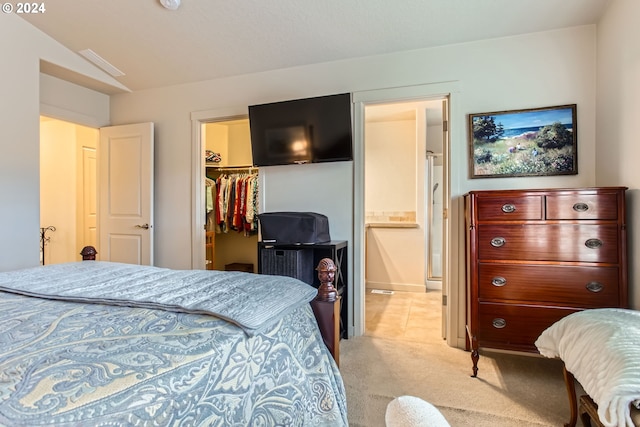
(210, 188)
(237, 202)
(210, 195)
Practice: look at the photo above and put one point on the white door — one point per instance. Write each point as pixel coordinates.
(125, 168)
(87, 198)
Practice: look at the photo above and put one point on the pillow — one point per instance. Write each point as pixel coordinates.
(410, 411)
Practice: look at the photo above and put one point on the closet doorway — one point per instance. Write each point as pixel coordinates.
(403, 149)
(230, 184)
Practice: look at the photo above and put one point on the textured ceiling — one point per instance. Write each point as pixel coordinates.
(208, 39)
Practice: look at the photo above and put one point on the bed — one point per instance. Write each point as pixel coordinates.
(101, 343)
(600, 348)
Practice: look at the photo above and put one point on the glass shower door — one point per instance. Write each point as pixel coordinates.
(434, 213)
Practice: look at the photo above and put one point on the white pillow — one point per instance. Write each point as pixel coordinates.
(410, 411)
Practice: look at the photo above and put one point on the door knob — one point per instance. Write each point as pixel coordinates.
(145, 226)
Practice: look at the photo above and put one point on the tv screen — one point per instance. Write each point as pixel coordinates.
(310, 130)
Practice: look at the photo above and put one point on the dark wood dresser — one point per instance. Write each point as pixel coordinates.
(535, 256)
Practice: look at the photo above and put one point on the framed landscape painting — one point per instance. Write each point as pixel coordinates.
(531, 142)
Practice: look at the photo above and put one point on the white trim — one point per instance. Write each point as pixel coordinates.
(197, 204)
(357, 293)
(420, 92)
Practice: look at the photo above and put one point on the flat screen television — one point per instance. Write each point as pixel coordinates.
(310, 130)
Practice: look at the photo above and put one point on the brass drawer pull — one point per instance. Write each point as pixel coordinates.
(499, 323)
(594, 287)
(581, 207)
(508, 208)
(593, 243)
(498, 281)
(497, 242)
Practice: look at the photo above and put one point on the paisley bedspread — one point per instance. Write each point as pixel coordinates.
(88, 364)
(251, 301)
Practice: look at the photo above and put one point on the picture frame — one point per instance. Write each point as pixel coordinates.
(528, 142)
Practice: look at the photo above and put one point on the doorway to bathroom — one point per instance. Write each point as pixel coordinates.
(403, 206)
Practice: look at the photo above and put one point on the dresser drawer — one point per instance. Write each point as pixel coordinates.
(578, 286)
(549, 242)
(509, 208)
(512, 326)
(582, 206)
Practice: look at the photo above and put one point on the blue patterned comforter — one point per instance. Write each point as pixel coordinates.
(248, 300)
(87, 364)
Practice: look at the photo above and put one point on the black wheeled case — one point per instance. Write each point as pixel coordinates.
(287, 228)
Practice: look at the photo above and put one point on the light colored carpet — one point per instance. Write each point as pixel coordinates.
(403, 354)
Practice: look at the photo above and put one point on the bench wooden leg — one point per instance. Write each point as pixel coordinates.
(586, 419)
(589, 412)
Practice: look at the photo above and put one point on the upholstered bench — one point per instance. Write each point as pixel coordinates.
(601, 349)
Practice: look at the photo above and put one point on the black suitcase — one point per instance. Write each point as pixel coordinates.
(294, 228)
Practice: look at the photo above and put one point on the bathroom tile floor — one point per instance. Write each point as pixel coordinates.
(409, 316)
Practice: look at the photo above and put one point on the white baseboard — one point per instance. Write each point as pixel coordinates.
(403, 287)
(434, 284)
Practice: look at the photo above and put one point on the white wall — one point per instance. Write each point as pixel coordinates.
(66, 101)
(391, 175)
(319, 187)
(496, 75)
(394, 192)
(21, 48)
(618, 101)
